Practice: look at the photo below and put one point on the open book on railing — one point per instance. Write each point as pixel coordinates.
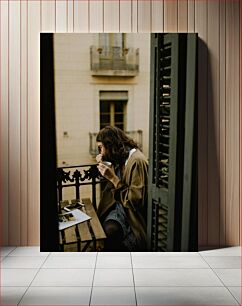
(71, 218)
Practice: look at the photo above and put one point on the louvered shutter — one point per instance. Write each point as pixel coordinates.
(168, 94)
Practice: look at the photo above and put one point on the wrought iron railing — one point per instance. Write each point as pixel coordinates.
(137, 136)
(76, 176)
(105, 60)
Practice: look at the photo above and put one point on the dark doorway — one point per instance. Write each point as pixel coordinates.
(49, 239)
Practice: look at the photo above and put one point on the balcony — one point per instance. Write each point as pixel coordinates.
(114, 61)
(72, 178)
(137, 136)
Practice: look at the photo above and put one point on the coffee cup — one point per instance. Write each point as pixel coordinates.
(107, 163)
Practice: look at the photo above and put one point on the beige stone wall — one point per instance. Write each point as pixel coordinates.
(77, 94)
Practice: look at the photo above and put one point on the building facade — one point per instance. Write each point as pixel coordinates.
(100, 79)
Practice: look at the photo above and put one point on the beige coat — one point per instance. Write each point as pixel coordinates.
(132, 194)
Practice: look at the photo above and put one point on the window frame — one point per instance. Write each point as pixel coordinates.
(113, 113)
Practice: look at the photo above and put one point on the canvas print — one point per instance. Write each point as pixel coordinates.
(124, 142)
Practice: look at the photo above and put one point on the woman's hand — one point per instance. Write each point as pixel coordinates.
(99, 158)
(108, 173)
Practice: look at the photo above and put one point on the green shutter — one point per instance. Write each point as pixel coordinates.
(170, 127)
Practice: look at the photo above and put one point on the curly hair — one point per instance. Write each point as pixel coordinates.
(117, 143)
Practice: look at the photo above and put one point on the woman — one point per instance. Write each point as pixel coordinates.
(123, 205)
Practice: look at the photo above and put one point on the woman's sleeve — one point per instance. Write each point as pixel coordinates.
(131, 195)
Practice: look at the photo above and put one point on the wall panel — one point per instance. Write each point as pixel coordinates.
(23, 122)
(222, 128)
(81, 16)
(61, 16)
(70, 15)
(213, 116)
(201, 28)
(170, 15)
(157, 16)
(144, 16)
(48, 15)
(14, 122)
(4, 113)
(134, 19)
(191, 16)
(217, 24)
(111, 18)
(232, 122)
(96, 16)
(183, 16)
(34, 29)
(125, 16)
(240, 123)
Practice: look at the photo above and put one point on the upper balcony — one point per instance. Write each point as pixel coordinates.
(114, 61)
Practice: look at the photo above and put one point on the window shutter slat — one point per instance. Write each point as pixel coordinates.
(170, 131)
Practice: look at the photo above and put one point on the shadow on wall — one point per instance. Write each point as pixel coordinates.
(210, 227)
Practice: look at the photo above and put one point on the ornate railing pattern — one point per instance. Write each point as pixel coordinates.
(71, 176)
(114, 61)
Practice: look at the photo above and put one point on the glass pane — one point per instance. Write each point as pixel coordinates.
(118, 40)
(105, 119)
(102, 126)
(119, 119)
(104, 40)
(104, 107)
(121, 126)
(119, 106)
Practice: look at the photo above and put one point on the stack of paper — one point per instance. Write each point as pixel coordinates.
(72, 218)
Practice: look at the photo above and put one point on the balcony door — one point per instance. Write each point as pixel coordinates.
(112, 40)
